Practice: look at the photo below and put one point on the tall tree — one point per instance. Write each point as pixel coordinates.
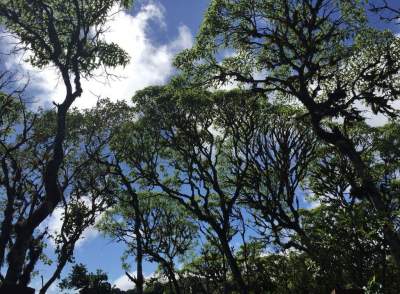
(207, 149)
(166, 232)
(322, 53)
(85, 185)
(89, 190)
(182, 152)
(68, 36)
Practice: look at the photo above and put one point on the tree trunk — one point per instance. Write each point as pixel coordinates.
(54, 277)
(16, 256)
(139, 248)
(61, 263)
(139, 281)
(176, 284)
(6, 227)
(236, 273)
(16, 289)
(226, 285)
(35, 250)
(347, 148)
(171, 274)
(25, 229)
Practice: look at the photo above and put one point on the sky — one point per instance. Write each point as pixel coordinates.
(152, 33)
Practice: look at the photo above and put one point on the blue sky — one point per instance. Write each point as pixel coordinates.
(152, 33)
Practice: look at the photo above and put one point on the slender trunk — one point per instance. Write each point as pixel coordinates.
(54, 277)
(225, 276)
(139, 247)
(56, 274)
(346, 148)
(139, 281)
(236, 273)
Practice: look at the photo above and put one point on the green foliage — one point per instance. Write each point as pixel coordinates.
(297, 48)
(86, 283)
(67, 35)
(25, 150)
(167, 230)
(185, 157)
(264, 272)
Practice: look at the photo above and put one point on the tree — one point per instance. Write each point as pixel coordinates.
(281, 272)
(181, 151)
(206, 150)
(87, 189)
(345, 216)
(91, 189)
(166, 231)
(322, 53)
(207, 273)
(279, 156)
(12, 114)
(68, 36)
(87, 283)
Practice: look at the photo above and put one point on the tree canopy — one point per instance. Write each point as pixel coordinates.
(254, 169)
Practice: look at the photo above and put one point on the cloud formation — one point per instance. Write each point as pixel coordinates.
(123, 282)
(150, 63)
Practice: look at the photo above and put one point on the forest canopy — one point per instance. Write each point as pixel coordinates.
(255, 168)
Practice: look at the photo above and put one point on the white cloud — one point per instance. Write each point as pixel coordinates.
(150, 64)
(55, 222)
(89, 234)
(123, 282)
